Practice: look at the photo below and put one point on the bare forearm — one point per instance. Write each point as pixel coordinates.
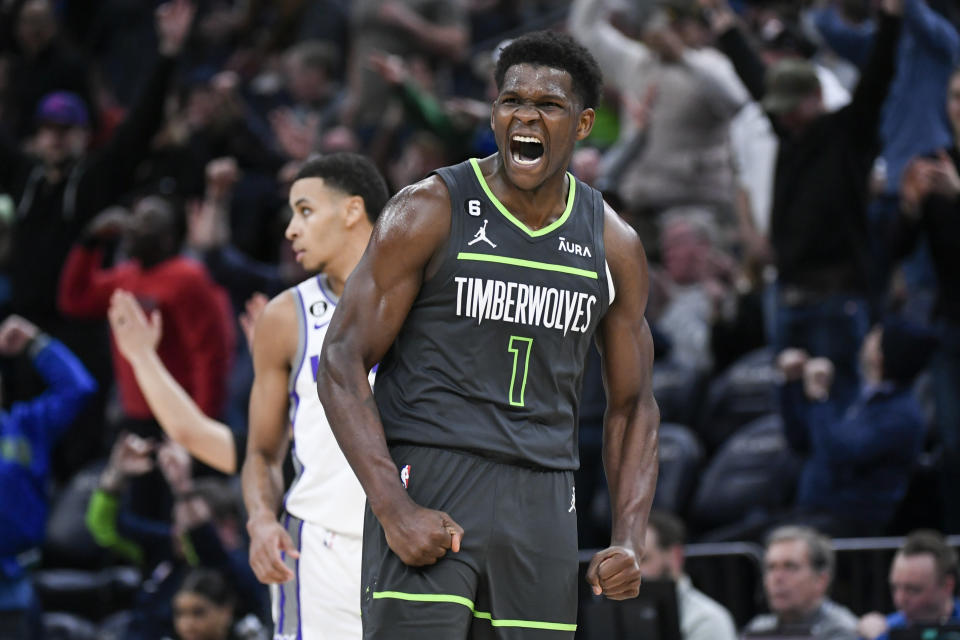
(180, 417)
(631, 463)
(348, 401)
(262, 486)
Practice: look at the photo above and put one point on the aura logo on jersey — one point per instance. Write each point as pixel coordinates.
(574, 248)
(526, 304)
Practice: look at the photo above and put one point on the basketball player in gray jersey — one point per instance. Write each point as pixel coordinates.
(479, 294)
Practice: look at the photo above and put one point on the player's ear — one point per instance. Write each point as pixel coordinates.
(585, 123)
(354, 211)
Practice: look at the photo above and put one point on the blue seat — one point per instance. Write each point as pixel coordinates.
(753, 473)
(66, 626)
(742, 393)
(681, 455)
(679, 392)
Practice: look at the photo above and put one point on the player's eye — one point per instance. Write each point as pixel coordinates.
(508, 101)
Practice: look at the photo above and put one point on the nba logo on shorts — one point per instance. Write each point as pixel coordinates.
(405, 475)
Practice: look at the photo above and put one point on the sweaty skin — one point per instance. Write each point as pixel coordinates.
(406, 249)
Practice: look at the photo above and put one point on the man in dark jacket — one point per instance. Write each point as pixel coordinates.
(859, 450)
(58, 191)
(819, 212)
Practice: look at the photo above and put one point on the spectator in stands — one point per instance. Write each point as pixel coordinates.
(913, 120)
(693, 281)
(28, 431)
(310, 74)
(683, 157)
(62, 186)
(819, 211)
(198, 336)
(797, 570)
(435, 28)
(931, 209)
(701, 618)
(203, 609)
(198, 340)
(859, 450)
(65, 187)
(923, 578)
(206, 532)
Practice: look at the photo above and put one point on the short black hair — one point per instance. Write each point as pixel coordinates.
(557, 51)
(930, 542)
(669, 529)
(210, 584)
(352, 174)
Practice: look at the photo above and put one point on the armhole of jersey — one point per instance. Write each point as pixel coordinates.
(611, 290)
(301, 313)
(600, 217)
(449, 176)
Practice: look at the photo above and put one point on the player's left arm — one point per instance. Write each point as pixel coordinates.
(632, 418)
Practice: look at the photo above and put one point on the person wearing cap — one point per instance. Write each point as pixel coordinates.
(61, 186)
(859, 450)
(823, 295)
(43, 63)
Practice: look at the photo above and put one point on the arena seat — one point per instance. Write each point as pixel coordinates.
(114, 626)
(65, 626)
(742, 393)
(679, 391)
(681, 455)
(753, 472)
(92, 594)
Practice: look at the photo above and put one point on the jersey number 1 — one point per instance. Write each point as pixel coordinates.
(520, 348)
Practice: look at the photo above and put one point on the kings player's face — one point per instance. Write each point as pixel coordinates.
(316, 230)
(537, 120)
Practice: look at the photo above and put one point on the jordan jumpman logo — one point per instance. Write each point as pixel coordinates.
(481, 235)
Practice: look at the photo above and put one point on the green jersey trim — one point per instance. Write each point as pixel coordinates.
(529, 264)
(509, 216)
(481, 615)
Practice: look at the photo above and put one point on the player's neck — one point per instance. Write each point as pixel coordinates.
(339, 270)
(535, 208)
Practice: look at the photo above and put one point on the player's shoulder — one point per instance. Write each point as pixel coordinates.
(430, 192)
(277, 326)
(420, 210)
(619, 238)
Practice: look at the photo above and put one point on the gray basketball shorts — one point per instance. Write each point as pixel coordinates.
(515, 576)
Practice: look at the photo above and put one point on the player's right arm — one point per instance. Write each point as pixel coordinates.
(406, 242)
(274, 343)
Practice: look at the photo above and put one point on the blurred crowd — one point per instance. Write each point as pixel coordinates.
(792, 169)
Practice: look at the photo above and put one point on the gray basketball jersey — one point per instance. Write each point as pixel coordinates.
(491, 356)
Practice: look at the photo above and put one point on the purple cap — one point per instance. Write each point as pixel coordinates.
(63, 108)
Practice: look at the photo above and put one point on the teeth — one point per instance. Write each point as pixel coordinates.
(525, 139)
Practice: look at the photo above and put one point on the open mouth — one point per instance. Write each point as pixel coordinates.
(525, 149)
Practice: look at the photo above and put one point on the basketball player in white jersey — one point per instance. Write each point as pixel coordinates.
(310, 553)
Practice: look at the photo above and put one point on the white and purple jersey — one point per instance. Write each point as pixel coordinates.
(325, 490)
